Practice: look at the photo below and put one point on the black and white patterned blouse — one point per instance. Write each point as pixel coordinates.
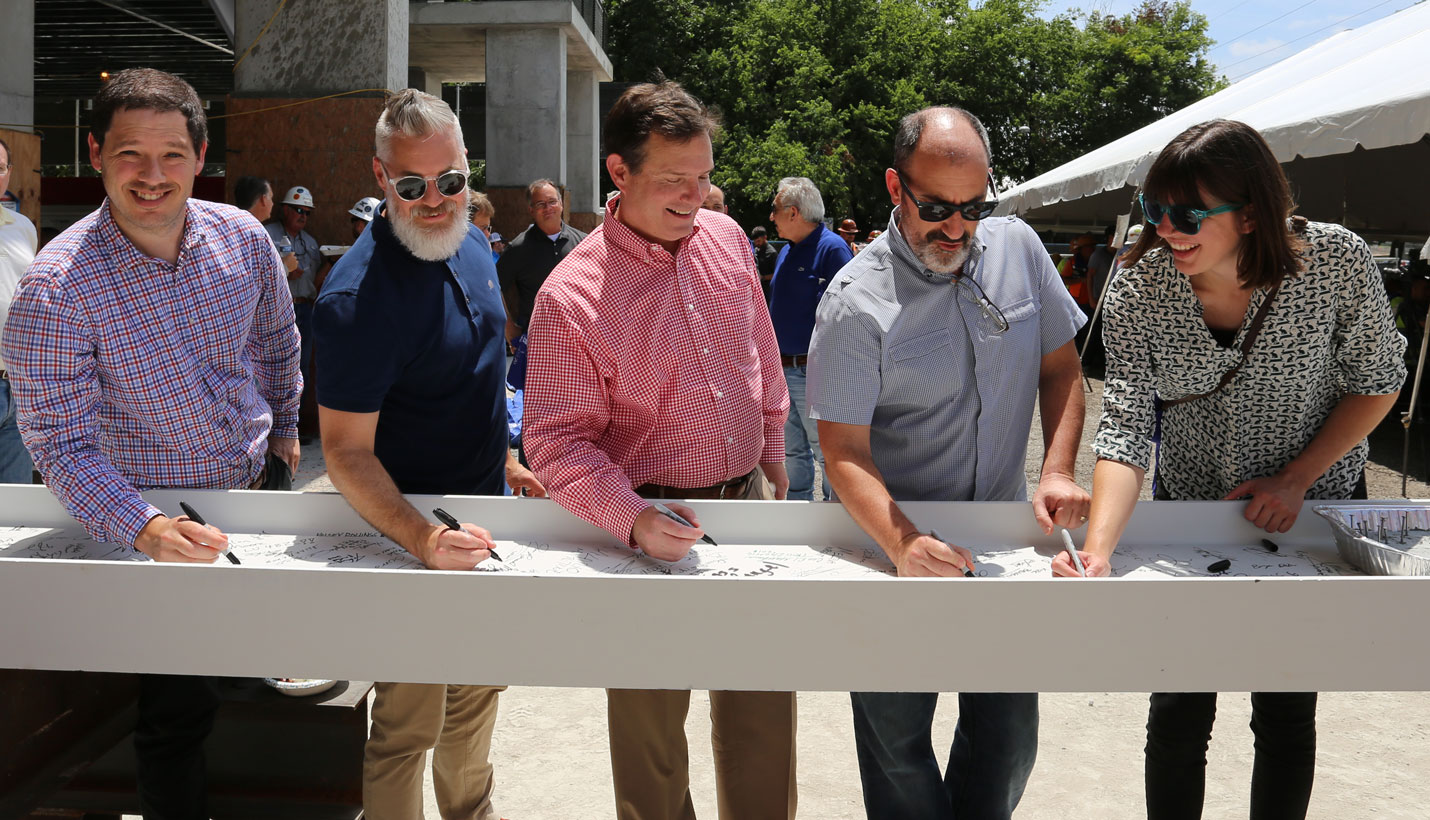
(1329, 332)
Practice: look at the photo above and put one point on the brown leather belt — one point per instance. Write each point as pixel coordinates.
(734, 488)
(793, 361)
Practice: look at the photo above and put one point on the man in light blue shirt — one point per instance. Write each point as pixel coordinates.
(803, 270)
(929, 352)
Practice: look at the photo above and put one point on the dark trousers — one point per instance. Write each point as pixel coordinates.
(176, 714)
(1179, 727)
(994, 747)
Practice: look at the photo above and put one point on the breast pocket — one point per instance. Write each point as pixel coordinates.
(921, 371)
(1024, 334)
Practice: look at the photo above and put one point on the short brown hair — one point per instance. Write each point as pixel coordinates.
(148, 89)
(1229, 161)
(663, 108)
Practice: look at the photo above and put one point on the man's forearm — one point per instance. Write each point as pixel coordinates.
(361, 478)
(861, 490)
(1062, 407)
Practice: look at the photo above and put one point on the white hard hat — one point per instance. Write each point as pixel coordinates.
(298, 195)
(365, 209)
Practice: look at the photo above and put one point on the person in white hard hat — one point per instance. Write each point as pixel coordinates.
(362, 213)
(293, 214)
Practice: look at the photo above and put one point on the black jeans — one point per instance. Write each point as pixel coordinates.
(176, 714)
(1179, 727)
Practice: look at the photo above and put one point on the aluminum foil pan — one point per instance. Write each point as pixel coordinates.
(1371, 537)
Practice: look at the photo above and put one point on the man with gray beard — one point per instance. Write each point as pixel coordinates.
(929, 352)
(411, 359)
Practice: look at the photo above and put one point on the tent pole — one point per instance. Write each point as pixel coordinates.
(1409, 413)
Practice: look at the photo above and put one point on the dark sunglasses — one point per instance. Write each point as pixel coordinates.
(413, 188)
(1185, 219)
(300, 211)
(941, 211)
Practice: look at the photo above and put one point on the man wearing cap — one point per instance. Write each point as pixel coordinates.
(291, 229)
(361, 213)
(849, 231)
(803, 270)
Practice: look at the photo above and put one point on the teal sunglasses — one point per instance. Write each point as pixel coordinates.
(1185, 219)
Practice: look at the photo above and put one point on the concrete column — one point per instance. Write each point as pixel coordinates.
(17, 64)
(583, 148)
(278, 130)
(526, 117)
(322, 46)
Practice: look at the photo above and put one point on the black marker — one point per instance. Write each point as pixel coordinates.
(1220, 566)
(967, 573)
(452, 524)
(199, 519)
(673, 516)
(1269, 544)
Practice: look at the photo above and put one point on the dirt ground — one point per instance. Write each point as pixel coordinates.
(1374, 748)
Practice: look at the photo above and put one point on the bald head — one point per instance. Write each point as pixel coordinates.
(945, 133)
(715, 200)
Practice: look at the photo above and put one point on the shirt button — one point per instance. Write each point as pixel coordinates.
(729, 439)
(719, 395)
(692, 307)
(704, 350)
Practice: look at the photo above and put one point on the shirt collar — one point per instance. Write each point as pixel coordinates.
(620, 235)
(813, 238)
(904, 254)
(192, 236)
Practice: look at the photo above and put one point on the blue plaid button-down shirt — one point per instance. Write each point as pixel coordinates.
(130, 372)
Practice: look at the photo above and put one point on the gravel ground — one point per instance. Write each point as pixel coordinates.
(551, 760)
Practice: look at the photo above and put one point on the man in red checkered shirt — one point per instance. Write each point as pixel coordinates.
(654, 373)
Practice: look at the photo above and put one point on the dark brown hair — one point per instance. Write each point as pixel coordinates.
(1230, 162)
(663, 108)
(151, 89)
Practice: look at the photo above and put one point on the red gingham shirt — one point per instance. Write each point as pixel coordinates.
(649, 368)
(131, 373)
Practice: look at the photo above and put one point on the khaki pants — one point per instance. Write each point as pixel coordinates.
(407, 720)
(752, 734)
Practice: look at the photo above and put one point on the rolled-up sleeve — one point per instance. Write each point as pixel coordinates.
(1370, 353)
(50, 351)
(1128, 393)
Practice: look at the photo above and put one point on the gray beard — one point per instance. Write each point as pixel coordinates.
(433, 245)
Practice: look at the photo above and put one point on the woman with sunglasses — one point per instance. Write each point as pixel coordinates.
(1263, 349)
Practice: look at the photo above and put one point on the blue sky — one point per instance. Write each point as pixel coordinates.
(1253, 34)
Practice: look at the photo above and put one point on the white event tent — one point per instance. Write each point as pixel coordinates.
(1349, 119)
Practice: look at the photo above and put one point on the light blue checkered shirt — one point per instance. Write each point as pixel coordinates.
(913, 354)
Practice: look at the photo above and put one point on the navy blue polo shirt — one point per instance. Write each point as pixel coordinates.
(802, 272)
(421, 344)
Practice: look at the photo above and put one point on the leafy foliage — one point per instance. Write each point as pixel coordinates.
(816, 87)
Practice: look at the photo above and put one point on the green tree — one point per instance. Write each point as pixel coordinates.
(816, 88)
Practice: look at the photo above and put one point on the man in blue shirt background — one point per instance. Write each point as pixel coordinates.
(802, 272)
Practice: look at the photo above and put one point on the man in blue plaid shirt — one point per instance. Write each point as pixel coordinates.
(152, 345)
